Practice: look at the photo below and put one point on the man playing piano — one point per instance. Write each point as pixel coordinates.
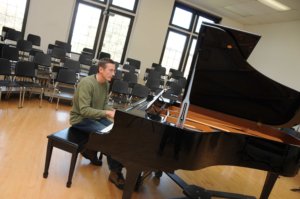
(91, 113)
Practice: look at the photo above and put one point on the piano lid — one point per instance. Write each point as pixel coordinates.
(225, 82)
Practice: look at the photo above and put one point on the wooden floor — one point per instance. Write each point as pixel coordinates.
(22, 154)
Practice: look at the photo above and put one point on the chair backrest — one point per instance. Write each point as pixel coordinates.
(66, 76)
(59, 53)
(131, 78)
(140, 91)
(154, 65)
(176, 74)
(86, 59)
(120, 87)
(153, 84)
(25, 69)
(24, 45)
(93, 70)
(5, 67)
(64, 45)
(13, 35)
(87, 51)
(118, 75)
(35, 39)
(134, 62)
(10, 53)
(103, 55)
(5, 29)
(161, 70)
(72, 65)
(153, 74)
(42, 59)
(130, 68)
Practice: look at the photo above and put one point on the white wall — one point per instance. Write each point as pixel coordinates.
(50, 19)
(277, 54)
(149, 32)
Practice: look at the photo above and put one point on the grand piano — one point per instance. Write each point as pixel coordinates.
(237, 116)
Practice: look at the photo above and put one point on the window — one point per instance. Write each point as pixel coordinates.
(182, 35)
(13, 13)
(174, 50)
(85, 28)
(115, 35)
(103, 26)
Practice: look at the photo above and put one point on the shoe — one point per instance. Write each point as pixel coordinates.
(92, 157)
(117, 178)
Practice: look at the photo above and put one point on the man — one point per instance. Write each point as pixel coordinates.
(90, 112)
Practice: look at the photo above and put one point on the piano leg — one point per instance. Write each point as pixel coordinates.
(132, 174)
(268, 186)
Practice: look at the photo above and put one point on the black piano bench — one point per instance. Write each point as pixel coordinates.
(70, 140)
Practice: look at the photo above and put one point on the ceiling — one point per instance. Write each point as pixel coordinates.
(249, 12)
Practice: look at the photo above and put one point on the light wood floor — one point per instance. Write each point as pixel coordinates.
(22, 154)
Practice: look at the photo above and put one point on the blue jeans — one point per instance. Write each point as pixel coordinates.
(92, 126)
(89, 126)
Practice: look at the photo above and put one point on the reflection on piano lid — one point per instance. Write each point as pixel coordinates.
(226, 83)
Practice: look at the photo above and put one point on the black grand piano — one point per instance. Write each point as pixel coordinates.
(237, 116)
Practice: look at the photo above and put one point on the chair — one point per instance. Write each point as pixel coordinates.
(86, 61)
(72, 65)
(87, 51)
(65, 85)
(134, 62)
(5, 71)
(43, 66)
(130, 78)
(153, 84)
(5, 29)
(24, 48)
(12, 36)
(58, 57)
(139, 91)
(129, 68)
(35, 39)
(10, 53)
(25, 78)
(64, 45)
(93, 70)
(119, 92)
(174, 92)
(103, 55)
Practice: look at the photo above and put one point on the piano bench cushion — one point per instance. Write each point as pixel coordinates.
(70, 140)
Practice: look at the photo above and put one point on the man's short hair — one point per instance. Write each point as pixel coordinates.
(102, 62)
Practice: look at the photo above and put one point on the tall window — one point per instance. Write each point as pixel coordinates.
(85, 28)
(12, 13)
(103, 26)
(182, 35)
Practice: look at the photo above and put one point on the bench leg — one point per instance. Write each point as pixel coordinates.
(48, 158)
(72, 167)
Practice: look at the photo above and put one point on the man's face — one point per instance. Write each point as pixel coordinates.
(108, 72)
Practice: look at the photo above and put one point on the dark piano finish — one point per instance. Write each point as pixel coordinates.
(143, 139)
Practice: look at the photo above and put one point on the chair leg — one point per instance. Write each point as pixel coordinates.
(57, 102)
(23, 98)
(20, 97)
(48, 158)
(41, 97)
(72, 167)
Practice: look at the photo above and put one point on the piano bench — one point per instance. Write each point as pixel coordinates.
(70, 140)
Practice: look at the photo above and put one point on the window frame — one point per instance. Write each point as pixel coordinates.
(191, 32)
(74, 19)
(121, 8)
(127, 37)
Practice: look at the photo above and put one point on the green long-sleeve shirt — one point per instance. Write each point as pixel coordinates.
(90, 100)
